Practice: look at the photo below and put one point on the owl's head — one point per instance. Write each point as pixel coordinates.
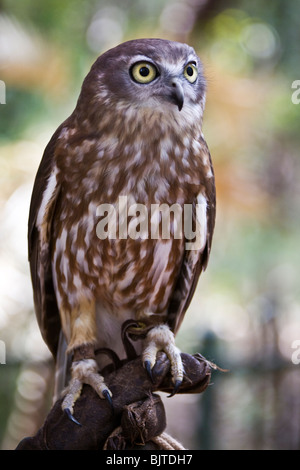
(147, 74)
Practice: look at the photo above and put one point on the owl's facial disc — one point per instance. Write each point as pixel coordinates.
(162, 82)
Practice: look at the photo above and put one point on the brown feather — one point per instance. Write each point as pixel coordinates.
(44, 295)
(194, 262)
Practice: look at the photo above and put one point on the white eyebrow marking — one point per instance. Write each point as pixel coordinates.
(192, 58)
(141, 58)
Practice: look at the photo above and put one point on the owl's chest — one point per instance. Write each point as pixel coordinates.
(125, 247)
(118, 224)
(148, 167)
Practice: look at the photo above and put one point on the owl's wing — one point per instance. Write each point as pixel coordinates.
(194, 261)
(43, 201)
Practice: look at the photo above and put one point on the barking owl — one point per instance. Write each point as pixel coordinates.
(135, 136)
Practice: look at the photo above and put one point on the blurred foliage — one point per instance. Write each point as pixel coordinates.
(246, 312)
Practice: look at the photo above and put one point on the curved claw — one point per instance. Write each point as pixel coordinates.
(107, 397)
(71, 417)
(147, 365)
(176, 388)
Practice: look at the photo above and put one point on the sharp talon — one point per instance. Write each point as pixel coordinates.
(107, 397)
(71, 417)
(147, 366)
(176, 388)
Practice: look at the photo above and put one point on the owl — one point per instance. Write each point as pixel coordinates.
(135, 136)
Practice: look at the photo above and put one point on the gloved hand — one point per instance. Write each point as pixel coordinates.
(137, 412)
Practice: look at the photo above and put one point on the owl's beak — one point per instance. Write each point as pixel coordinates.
(177, 94)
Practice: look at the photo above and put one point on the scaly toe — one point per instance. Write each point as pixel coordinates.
(84, 371)
(161, 338)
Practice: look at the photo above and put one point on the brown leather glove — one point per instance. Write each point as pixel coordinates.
(137, 412)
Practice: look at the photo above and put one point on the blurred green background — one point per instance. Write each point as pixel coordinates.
(245, 315)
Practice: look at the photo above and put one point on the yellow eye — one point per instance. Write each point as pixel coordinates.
(144, 72)
(191, 72)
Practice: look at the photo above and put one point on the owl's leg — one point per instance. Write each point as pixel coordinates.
(161, 338)
(84, 369)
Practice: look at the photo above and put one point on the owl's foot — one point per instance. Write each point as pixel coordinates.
(84, 371)
(161, 338)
